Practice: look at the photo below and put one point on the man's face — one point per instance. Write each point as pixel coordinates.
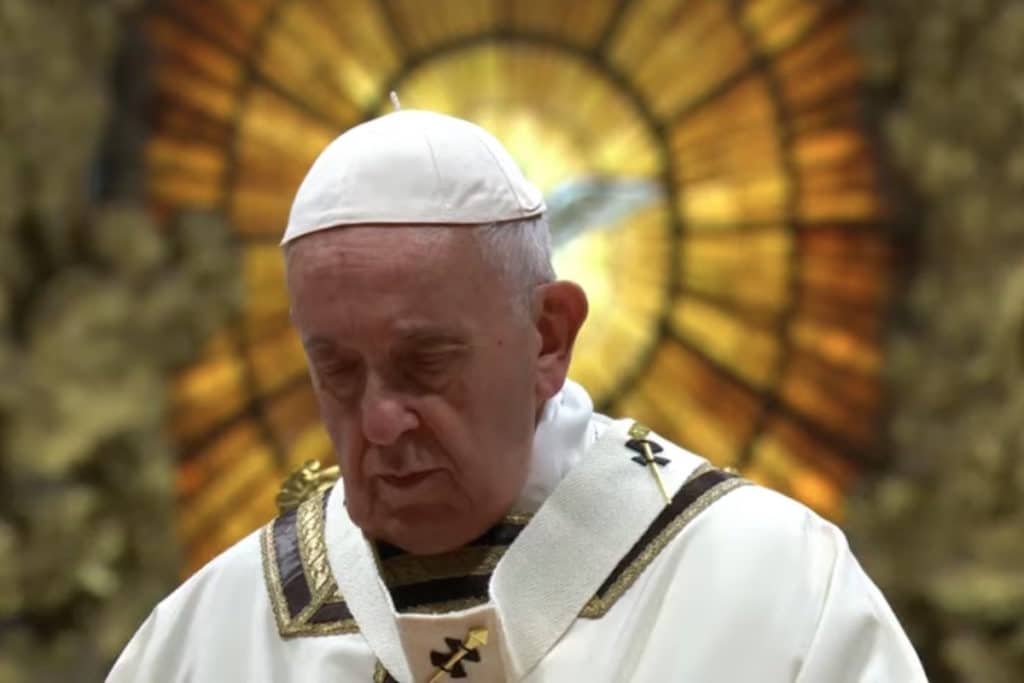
(425, 370)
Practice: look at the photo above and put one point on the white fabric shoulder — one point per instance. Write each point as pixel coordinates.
(170, 643)
(794, 576)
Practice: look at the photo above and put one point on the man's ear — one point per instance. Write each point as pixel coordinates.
(559, 311)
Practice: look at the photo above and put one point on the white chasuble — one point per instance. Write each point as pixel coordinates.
(594, 577)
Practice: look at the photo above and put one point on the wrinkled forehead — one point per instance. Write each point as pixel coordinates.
(391, 265)
(402, 249)
(379, 287)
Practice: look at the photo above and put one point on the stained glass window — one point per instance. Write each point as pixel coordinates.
(710, 182)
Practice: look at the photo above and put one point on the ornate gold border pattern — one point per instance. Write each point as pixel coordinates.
(599, 605)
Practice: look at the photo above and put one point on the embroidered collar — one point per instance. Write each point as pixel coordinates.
(307, 601)
(433, 584)
(601, 523)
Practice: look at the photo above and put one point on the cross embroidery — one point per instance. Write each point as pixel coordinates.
(638, 446)
(455, 670)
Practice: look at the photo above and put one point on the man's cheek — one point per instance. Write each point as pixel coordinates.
(358, 501)
(351, 450)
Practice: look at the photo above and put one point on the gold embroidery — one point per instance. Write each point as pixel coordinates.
(702, 468)
(517, 518)
(312, 549)
(316, 570)
(469, 561)
(381, 674)
(327, 628)
(473, 560)
(305, 483)
(405, 570)
(446, 606)
(397, 571)
(467, 650)
(272, 578)
(598, 606)
(640, 432)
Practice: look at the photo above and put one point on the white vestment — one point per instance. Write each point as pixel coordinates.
(594, 578)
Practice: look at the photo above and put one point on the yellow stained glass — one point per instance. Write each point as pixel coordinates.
(210, 392)
(697, 404)
(751, 349)
(731, 234)
(746, 269)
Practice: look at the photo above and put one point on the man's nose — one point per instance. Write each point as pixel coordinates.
(385, 415)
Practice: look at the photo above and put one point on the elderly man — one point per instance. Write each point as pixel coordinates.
(489, 525)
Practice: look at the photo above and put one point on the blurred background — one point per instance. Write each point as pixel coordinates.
(800, 223)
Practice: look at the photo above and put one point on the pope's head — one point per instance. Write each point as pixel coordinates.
(419, 273)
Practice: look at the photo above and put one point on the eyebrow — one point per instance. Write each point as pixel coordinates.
(414, 336)
(317, 343)
(431, 336)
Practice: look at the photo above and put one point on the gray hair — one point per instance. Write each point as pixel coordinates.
(520, 251)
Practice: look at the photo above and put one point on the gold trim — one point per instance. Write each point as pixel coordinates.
(330, 628)
(308, 481)
(446, 606)
(272, 577)
(406, 570)
(469, 561)
(598, 606)
(316, 571)
(702, 468)
(309, 519)
(380, 674)
(517, 518)
(474, 640)
(639, 430)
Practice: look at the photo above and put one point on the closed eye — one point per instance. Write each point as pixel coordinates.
(437, 362)
(428, 372)
(432, 368)
(342, 382)
(338, 373)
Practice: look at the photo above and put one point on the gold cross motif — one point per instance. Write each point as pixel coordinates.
(467, 649)
(640, 432)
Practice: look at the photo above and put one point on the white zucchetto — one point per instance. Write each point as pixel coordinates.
(412, 167)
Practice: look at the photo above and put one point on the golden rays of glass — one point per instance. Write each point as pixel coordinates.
(710, 185)
(567, 124)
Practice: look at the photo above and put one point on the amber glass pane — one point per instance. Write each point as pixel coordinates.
(709, 179)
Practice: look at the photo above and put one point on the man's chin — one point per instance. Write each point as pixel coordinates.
(423, 534)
